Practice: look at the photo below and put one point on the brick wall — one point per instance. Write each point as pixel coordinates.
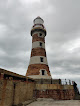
(38, 52)
(56, 94)
(23, 92)
(6, 93)
(33, 69)
(15, 92)
(55, 91)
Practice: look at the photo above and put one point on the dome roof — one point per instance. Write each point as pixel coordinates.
(38, 18)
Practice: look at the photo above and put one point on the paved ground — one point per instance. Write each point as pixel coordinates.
(51, 102)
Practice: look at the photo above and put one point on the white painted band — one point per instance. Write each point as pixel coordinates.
(38, 21)
(36, 60)
(37, 44)
(38, 26)
(39, 77)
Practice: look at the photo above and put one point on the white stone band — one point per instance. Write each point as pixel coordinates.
(37, 44)
(37, 60)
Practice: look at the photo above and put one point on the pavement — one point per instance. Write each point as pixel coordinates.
(51, 102)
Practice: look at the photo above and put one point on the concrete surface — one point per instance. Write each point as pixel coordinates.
(51, 102)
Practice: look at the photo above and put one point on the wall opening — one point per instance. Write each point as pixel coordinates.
(43, 72)
(41, 59)
(40, 34)
(40, 44)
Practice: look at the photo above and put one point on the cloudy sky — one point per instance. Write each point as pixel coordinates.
(62, 22)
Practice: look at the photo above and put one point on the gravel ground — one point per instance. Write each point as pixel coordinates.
(51, 102)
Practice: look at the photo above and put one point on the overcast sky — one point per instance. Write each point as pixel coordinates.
(62, 22)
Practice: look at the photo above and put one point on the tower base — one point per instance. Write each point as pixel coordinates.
(35, 71)
(39, 77)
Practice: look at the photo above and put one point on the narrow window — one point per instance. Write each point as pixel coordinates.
(40, 44)
(43, 72)
(45, 54)
(40, 34)
(41, 58)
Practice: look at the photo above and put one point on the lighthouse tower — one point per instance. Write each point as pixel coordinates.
(38, 66)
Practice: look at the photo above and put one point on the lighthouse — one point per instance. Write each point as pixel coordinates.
(38, 66)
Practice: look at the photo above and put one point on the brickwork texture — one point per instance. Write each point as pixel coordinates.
(38, 52)
(36, 38)
(33, 69)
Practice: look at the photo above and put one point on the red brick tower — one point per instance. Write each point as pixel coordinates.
(38, 66)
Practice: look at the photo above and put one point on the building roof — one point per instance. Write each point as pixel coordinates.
(11, 73)
(38, 18)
